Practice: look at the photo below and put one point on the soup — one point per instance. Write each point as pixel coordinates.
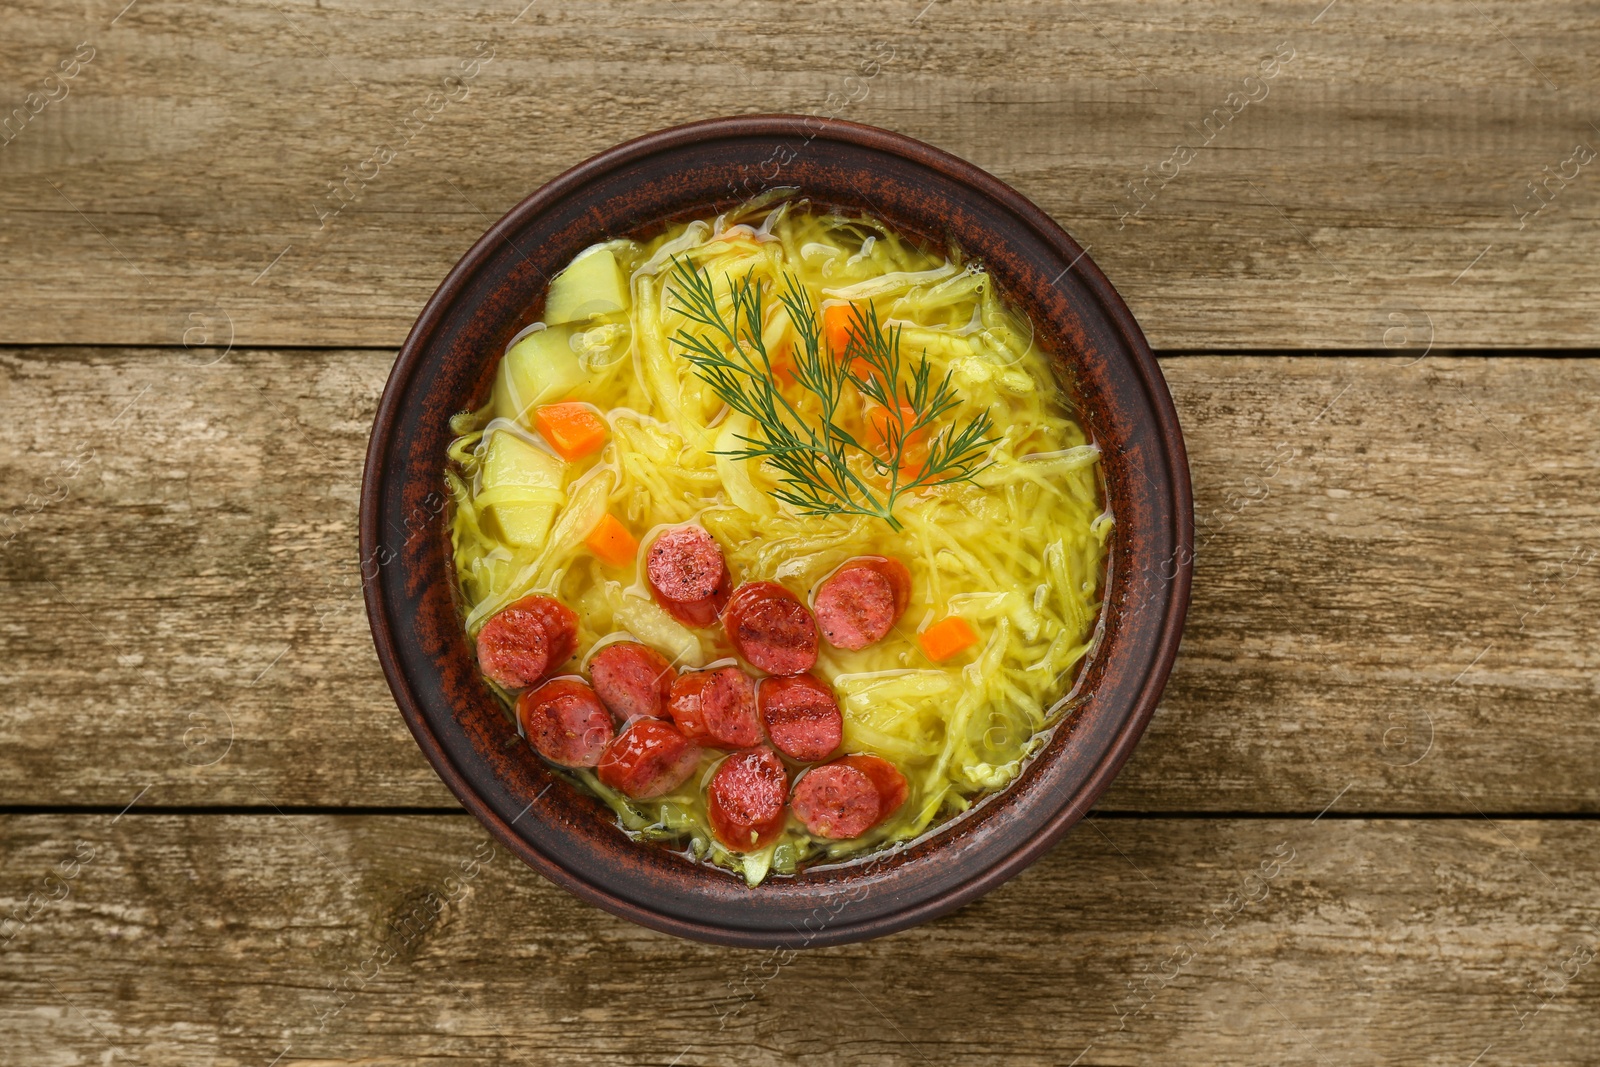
(778, 536)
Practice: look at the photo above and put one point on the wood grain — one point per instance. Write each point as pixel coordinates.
(1390, 607)
(383, 940)
(1393, 586)
(1380, 181)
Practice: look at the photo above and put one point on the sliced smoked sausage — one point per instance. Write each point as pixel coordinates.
(848, 797)
(566, 722)
(526, 641)
(688, 574)
(886, 776)
(837, 801)
(716, 707)
(633, 680)
(771, 629)
(861, 601)
(649, 759)
(801, 715)
(745, 799)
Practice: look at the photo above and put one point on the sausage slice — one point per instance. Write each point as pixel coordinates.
(566, 722)
(848, 797)
(690, 578)
(801, 715)
(649, 759)
(771, 629)
(717, 707)
(886, 776)
(861, 601)
(633, 680)
(745, 799)
(837, 801)
(701, 613)
(560, 625)
(527, 640)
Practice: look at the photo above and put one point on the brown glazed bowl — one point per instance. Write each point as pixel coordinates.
(447, 366)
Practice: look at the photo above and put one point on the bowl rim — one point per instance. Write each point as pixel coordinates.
(412, 358)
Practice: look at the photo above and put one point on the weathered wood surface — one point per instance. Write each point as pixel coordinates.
(239, 940)
(1417, 159)
(1394, 563)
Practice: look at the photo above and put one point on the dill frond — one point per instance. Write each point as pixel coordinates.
(813, 455)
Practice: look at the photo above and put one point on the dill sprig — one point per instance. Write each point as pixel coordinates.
(814, 456)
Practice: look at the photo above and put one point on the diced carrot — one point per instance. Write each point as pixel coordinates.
(611, 542)
(572, 429)
(912, 461)
(783, 366)
(879, 422)
(838, 320)
(914, 449)
(946, 637)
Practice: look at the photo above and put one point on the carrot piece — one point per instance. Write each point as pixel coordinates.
(914, 450)
(572, 429)
(783, 366)
(878, 422)
(946, 637)
(837, 322)
(611, 542)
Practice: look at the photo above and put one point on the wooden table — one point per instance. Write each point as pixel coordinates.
(1361, 827)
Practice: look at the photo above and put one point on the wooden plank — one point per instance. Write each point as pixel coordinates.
(1415, 159)
(1392, 565)
(389, 940)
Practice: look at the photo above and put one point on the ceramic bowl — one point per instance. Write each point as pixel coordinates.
(447, 366)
